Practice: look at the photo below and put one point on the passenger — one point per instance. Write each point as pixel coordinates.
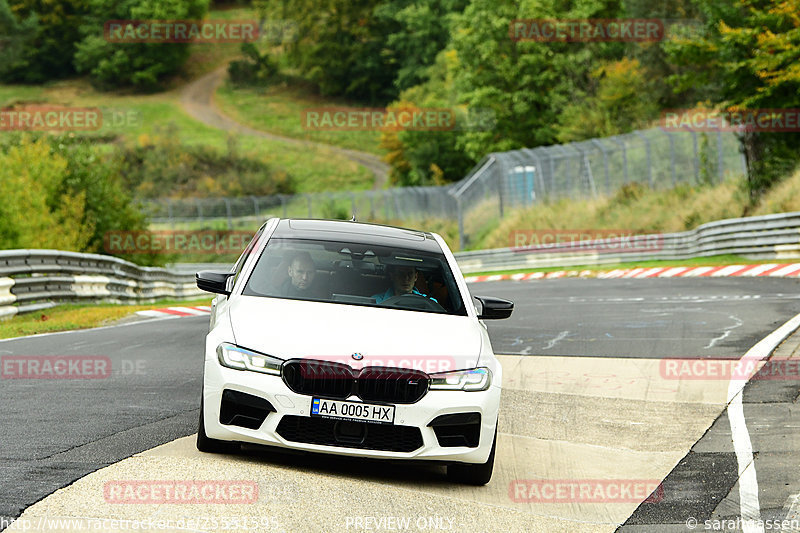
(402, 280)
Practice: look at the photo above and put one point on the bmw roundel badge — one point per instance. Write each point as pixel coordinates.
(357, 356)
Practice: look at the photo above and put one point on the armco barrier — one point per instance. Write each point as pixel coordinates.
(31, 280)
(763, 237)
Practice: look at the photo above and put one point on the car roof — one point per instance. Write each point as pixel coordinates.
(357, 232)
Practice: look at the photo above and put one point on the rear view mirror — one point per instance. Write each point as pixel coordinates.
(494, 308)
(216, 282)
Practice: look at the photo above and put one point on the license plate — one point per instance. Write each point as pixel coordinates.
(365, 412)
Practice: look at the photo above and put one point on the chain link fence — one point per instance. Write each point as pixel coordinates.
(519, 178)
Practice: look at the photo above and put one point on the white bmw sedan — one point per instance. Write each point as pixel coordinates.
(352, 339)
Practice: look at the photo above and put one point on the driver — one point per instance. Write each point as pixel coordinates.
(402, 280)
(302, 273)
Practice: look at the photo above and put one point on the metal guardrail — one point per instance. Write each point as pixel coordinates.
(31, 280)
(764, 237)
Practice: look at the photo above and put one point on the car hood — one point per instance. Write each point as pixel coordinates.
(387, 337)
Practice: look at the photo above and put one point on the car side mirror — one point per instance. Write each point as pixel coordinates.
(216, 282)
(494, 308)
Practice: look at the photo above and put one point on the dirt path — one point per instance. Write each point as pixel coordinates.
(197, 100)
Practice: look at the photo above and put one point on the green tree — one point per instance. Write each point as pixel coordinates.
(619, 103)
(17, 36)
(423, 30)
(748, 58)
(142, 66)
(342, 48)
(34, 213)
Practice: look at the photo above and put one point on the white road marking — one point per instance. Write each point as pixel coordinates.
(749, 506)
(793, 504)
(726, 331)
(552, 342)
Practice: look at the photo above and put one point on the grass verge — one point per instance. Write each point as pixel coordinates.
(79, 316)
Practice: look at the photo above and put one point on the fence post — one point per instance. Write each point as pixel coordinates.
(255, 206)
(671, 155)
(461, 239)
(228, 213)
(603, 151)
(283, 204)
(308, 199)
(720, 163)
(649, 158)
(696, 154)
(617, 140)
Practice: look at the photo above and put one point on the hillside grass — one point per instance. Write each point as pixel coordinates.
(313, 169)
(279, 109)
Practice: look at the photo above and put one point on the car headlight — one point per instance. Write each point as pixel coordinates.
(233, 356)
(477, 379)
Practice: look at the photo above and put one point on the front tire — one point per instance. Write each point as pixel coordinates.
(473, 474)
(209, 445)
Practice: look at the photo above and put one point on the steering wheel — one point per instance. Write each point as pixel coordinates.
(410, 301)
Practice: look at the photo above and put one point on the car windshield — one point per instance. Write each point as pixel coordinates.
(355, 274)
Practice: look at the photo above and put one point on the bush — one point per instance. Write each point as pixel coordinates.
(160, 166)
(255, 69)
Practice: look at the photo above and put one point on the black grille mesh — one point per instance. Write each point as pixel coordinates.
(338, 381)
(323, 431)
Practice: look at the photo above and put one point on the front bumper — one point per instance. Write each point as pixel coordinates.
(298, 407)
